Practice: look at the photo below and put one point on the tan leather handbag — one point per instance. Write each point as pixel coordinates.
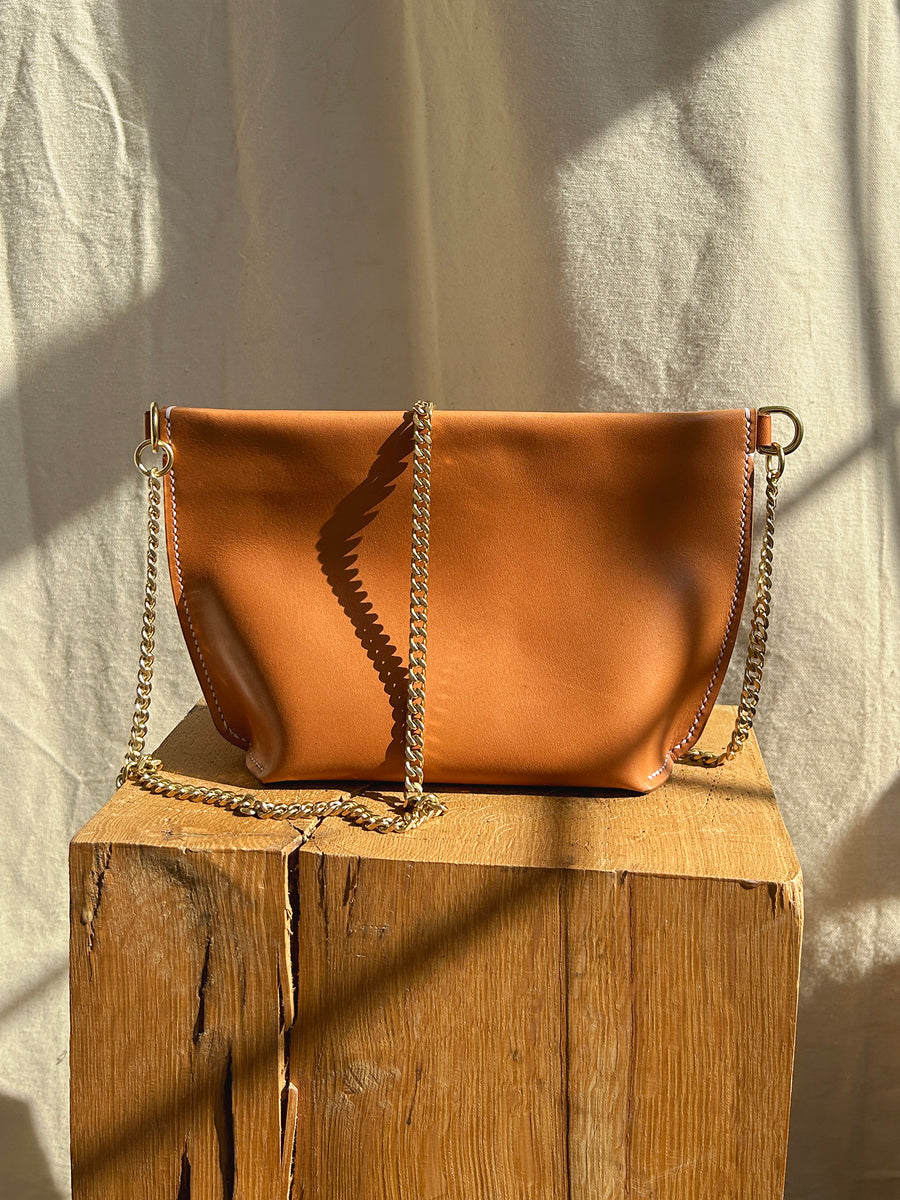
(576, 579)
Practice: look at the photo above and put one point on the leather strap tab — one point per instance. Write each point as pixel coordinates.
(763, 429)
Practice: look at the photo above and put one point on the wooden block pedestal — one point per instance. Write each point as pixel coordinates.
(552, 996)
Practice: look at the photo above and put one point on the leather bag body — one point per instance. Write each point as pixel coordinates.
(587, 573)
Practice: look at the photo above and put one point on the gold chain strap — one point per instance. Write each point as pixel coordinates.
(146, 772)
(135, 751)
(759, 628)
(417, 806)
(759, 617)
(418, 602)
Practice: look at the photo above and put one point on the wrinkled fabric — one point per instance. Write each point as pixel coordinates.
(558, 204)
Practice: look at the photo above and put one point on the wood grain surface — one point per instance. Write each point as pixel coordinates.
(572, 996)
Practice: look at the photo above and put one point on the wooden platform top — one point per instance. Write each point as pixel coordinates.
(722, 823)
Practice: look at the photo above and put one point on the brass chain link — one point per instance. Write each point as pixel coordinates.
(418, 602)
(416, 806)
(135, 751)
(759, 630)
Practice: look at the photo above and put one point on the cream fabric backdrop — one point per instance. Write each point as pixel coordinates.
(548, 204)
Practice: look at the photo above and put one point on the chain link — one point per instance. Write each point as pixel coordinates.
(416, 807)
(418, 601)
(759, 630)
(134, 753)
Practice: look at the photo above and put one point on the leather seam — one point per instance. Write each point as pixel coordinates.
(187, 612)
(734, 599)
(256, 762)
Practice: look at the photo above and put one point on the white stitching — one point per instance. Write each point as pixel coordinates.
(243, 741)
(663, 767)
(734, 599)
(256, 762)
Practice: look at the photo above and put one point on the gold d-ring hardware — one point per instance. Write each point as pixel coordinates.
(154, 426)
(156, 445)
(795, 441)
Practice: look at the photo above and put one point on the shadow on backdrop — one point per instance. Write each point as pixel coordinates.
(24, 1171)
(848, 1040)
(265, 228)
(848, 1048)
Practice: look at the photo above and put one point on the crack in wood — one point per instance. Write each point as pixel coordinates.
(293, 903)
(626, 883)
(415, 1093)
(562, 913)
(322, 877)
(353, 868)
(787, 898)
(200, 1019)
(307, 834)
(184, 1179)
(286, 964)
(223, 1119)
(290, 1095)
(291, 1108)
(279, 987)
(288, 978)
(91, 908)
(792, 897)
